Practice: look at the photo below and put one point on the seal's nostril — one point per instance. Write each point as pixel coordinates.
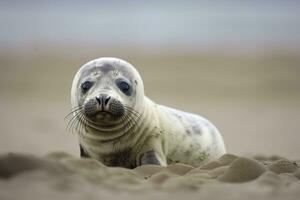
(98, 100)
(103, 100)
(106, 101)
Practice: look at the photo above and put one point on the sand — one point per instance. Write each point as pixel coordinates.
(62, 176)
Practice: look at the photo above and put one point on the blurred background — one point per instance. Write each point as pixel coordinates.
(234, 62)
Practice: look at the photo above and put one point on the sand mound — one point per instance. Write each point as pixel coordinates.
(283, 166)
(12, 164)
(61, 176)
(243, 169)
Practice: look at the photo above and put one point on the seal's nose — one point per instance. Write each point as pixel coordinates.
(103, 100)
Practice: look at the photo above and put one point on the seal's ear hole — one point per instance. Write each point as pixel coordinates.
(85, 86)
(124, 86)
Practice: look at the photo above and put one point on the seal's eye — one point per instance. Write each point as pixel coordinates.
(85, 86)
(124, 86)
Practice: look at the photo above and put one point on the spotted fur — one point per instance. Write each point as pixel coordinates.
(148, 133)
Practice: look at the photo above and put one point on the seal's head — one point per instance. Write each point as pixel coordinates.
(106, 91)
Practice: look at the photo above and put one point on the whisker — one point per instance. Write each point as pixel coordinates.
(79, 122)
(132, 111)
(72, 111)
(72, 121)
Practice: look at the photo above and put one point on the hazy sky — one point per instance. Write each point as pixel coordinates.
(152, 23)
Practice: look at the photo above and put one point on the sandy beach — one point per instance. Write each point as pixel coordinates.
(62, 176)
(256, 112)
(235, 63)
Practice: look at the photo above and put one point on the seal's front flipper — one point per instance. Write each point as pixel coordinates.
(149, 158)
(83, 154)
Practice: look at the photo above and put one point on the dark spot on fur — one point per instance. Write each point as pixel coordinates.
(188, 153)
(106, 67)
(188, 132)
(135, 81)
(196, 129)
(149, 158)
(179, 116)
(121, 159)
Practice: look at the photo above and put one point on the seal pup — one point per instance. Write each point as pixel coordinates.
(119, 126)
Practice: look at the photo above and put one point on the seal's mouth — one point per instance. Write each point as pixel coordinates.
(104, 115)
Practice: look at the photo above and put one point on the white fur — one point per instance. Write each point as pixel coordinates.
(173, 135)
